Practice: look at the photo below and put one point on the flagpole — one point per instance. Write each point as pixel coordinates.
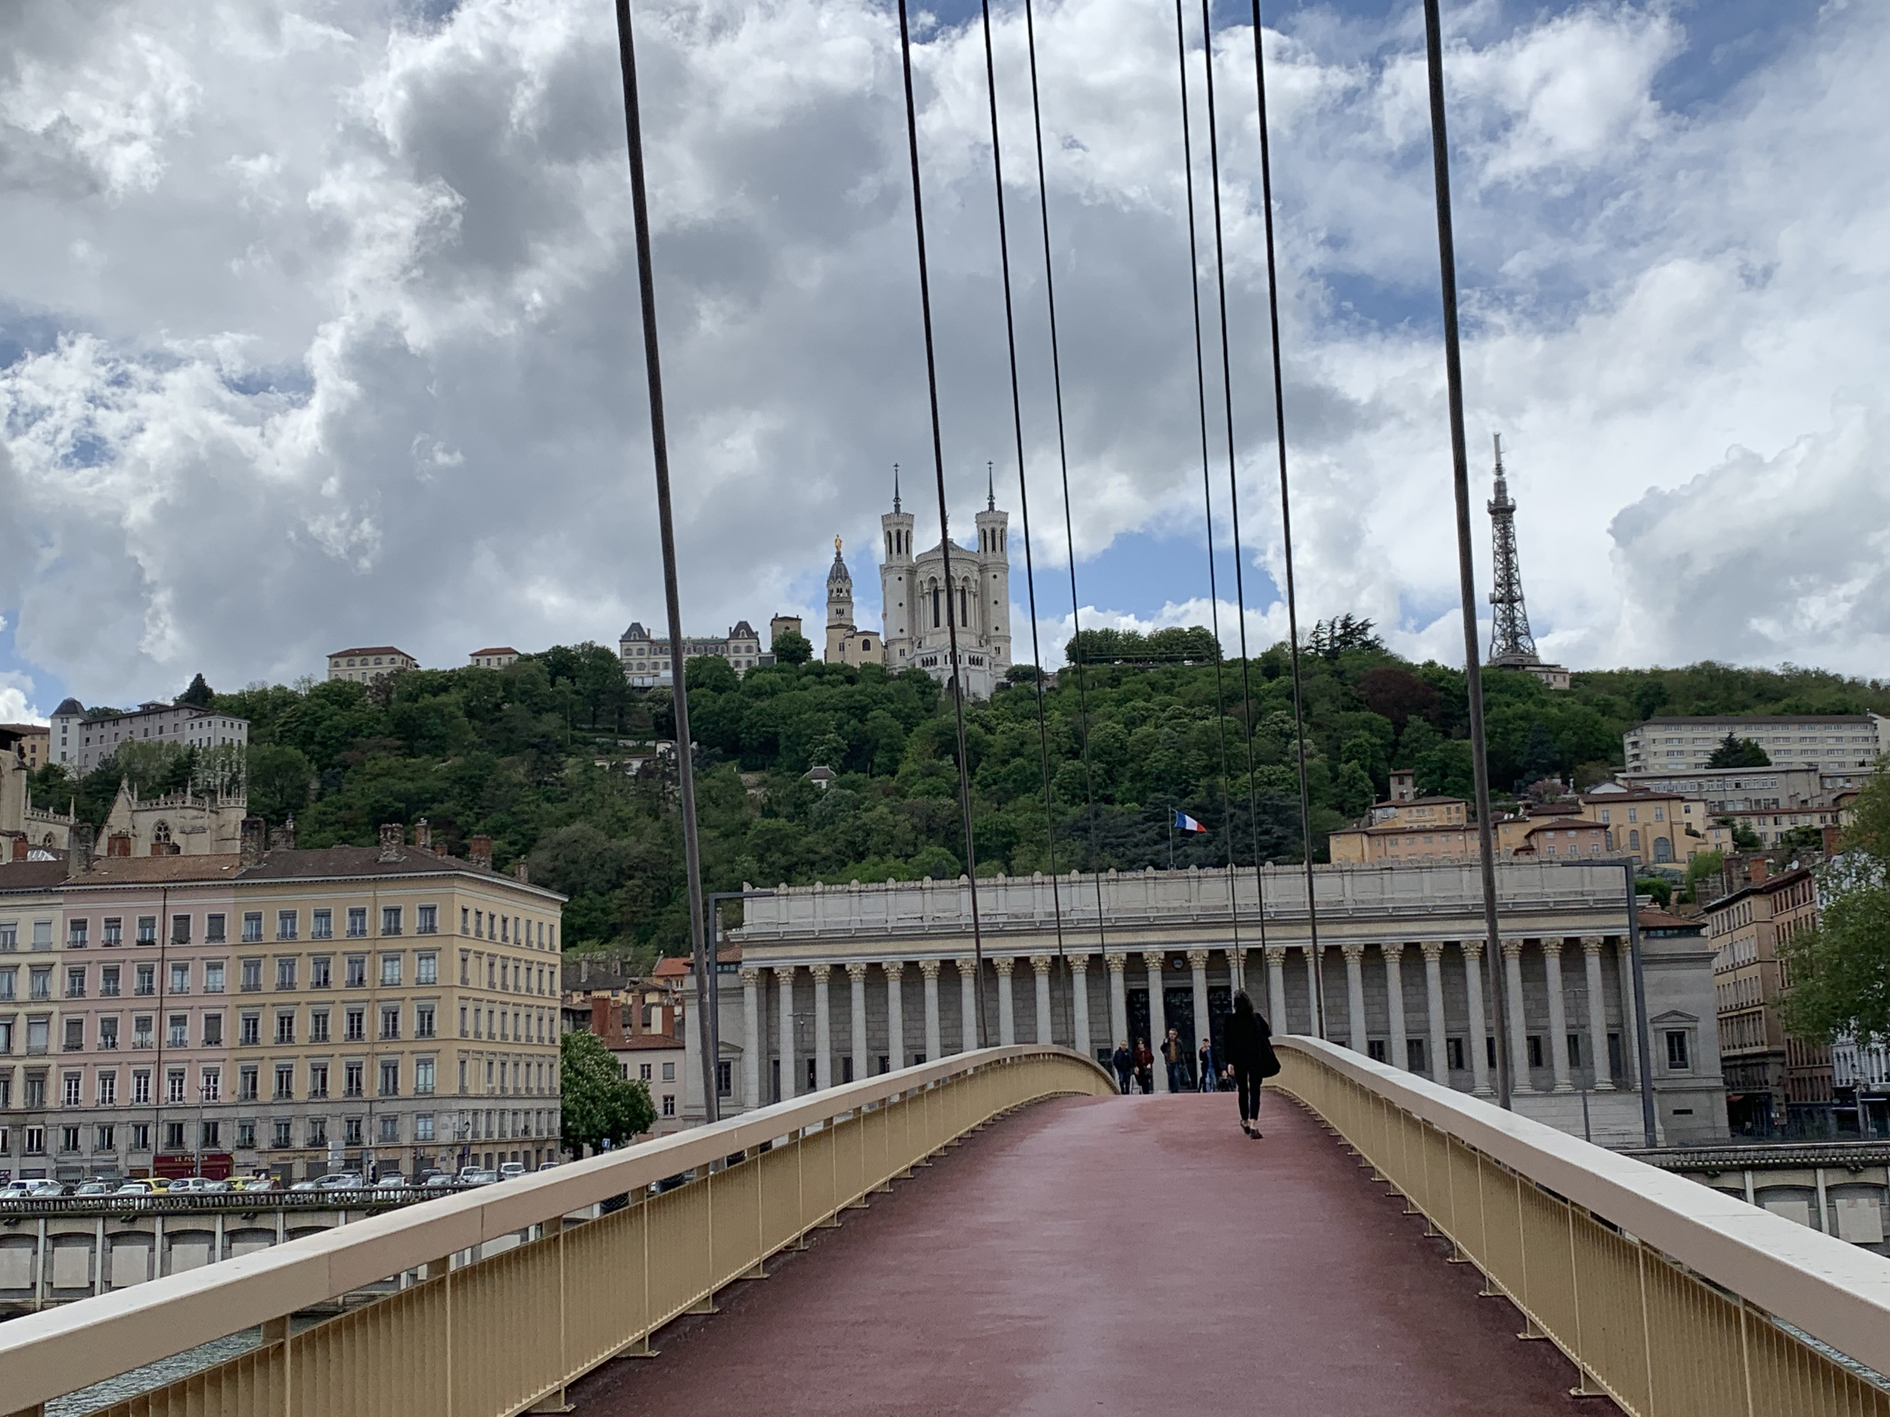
(1171, 838)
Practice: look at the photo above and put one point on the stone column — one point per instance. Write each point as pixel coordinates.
(1394, 1000)
(968, 986)
(933, 1048)
(1198, 962)
(823, 1027)
(1632, 1064)
(751, 1039)
(1558, 1013)
(895, 970)
(1355, 994)
(1276, 987)
(784, 984)
(1007, 1019)
(1434, 1011)
(1079, 1006)
(1236, 969)
(1313, 962)
(1518, 1027)
(1157, 1016)
(1041, 964)
(1117, 965)
(856, 979)
(1597, 1014)
(1479, 1029)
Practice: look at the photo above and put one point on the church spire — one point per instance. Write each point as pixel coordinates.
(990, 487)
(895, 487)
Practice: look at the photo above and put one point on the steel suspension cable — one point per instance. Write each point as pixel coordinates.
(1023, 495)
(944, 516)
(1233, 480)
(1207, 483)
(1286, 534)
(1466, 567)
(1063, 464)
(659, 447)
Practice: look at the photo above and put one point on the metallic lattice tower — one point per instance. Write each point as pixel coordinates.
(1510, 640)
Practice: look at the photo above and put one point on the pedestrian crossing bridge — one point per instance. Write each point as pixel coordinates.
(1001, 1232)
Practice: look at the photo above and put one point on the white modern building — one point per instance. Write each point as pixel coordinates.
(841, 982)
(1832, 743)
(82, 741)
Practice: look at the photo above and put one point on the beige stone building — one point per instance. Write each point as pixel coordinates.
(1771, 1078)
(1655, 828)
(496, 657)
(365, 664)
(387, 1008)
(31, 742)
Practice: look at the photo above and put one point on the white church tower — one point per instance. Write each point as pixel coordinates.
(920, 601)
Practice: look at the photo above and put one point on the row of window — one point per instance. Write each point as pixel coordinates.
(143, 1087)
(321, 926)
(108, 1037)
(210, 1135)
(511, 976)
(507, 929)
(516, 1025)
(211, 974)
(177, 1088)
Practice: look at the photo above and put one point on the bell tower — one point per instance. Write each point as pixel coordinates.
(896, 583)
(839, 606)
(991, 620)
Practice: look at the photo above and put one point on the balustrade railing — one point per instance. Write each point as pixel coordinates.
(505, 1333)
(1671, 1298)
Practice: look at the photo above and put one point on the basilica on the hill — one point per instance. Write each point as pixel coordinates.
(918, 600)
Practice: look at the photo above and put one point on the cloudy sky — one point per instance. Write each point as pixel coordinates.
(318, 321)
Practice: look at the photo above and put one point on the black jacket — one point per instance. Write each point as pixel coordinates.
(1245, 1044)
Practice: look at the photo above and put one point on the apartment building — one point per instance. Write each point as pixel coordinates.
(82, 738)
(1771, 1078)
(493, 657)
(32, 742)
(1654, 828)
(1834, 743)
(384, 1008)
(646, 657)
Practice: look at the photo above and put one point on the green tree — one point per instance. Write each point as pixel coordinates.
(792, 647)
(279, 779)
(1840, 969)
(198, 695)
(1736, 752)
(599, 1104)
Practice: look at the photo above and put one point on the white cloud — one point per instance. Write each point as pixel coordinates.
(351, 342)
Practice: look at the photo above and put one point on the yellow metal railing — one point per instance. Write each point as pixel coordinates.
(506, 1333)
(1670, 1298)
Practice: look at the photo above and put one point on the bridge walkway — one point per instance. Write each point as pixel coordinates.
(1111, 1255)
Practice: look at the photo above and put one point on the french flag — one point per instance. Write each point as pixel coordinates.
(1186, 823)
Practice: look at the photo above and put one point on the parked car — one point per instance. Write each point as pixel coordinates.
(134, 1188)
(340, 1181)
(395, 1182)
(466, 1173)
(476, 1177)
(546, 1165)
(434, 1179)
(217, 1187)
(256, 1183)
(46, 1189)
(94, 1188)
(512, 1170)
(187, 1185)
(306, 1186)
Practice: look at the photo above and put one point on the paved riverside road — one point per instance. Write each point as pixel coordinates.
(1132, 1255)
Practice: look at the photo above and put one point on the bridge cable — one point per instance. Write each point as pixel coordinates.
(1466, 567)
(1286, 533)
(1207, 486)
(1233, 481)
(659, 448)
(1023, 494)
(944, 522)
(1063, 463)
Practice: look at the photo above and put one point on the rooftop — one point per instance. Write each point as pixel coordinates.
(320, 863)
(497, 649)
(370, 649)
(1860, 720)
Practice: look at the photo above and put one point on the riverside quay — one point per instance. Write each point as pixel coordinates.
(385, 1009)
(822, 989)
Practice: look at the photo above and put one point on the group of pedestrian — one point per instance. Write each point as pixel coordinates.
(1243, 1060)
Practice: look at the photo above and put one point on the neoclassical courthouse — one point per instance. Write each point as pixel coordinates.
(828, 983)
(918, 597)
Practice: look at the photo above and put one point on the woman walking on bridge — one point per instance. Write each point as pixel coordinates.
(1248, 1049)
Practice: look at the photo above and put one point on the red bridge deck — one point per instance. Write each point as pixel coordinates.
(1123, 1255)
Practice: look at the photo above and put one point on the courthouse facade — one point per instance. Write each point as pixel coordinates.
(839, 982)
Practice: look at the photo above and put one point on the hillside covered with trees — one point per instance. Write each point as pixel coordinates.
(551, 758)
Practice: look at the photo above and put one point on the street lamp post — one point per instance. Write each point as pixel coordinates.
(709, 1029)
